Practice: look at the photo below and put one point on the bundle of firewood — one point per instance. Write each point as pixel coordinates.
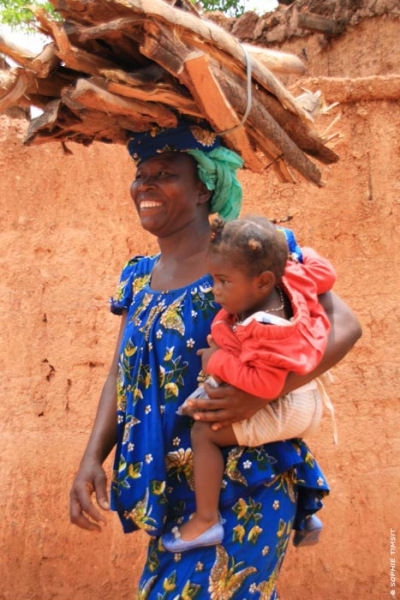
(120, 66)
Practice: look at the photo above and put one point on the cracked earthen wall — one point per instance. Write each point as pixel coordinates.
(67, 228)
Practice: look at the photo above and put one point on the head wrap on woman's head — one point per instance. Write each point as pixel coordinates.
(217, 170)
(216, 165)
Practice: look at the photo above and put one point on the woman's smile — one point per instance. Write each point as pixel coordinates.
(167, 193)
(148, 204)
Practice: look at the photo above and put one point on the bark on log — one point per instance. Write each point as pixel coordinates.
(265, 130)
(58, 123)
(202, 34)
(13, 87)
(120, 83)
(20, 55)
(75, 58)
(145, 113)
(160, 47)
(313, 22)
(276, 61)
(46, 121)
(149, 63)
(46, 62)
(217, 109)
(346, 90)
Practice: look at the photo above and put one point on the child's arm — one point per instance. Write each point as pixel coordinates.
(319, 269)
(227, 405)
(206, 353)
(258, 376)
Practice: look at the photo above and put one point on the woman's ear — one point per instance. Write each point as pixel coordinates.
(204, 194)
(266, 281)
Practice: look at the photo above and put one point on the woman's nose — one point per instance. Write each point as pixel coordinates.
(145, 181)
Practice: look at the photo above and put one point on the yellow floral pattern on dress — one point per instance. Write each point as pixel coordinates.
(152, 480)
(139, 283)
(227, 576)
(250, 514)
(232, 462)
(144, 591)
(181, 463)
(286, 482)
(140, 514)
(172, 316)
(266, 588)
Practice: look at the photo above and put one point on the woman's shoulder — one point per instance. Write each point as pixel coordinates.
(139, 265)
(134, 275)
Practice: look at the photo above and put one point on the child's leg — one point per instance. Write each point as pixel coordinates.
(208, 473)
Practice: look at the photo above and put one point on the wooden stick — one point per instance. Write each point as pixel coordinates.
(20, 55)
(104, 29)
(276, 61)
(117, 82)
(266, 131)
(202, 34)
(164, 50)
(93, 97)
(348, 90)
(216, 108)
(74, 58)
(46, 121)
(313, 22)
(46, 62)
(13, 86)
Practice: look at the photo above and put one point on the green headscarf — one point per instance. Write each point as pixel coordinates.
(217, 170)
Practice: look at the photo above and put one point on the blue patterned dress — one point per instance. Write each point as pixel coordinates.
(266, 490)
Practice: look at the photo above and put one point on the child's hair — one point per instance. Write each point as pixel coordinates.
(252, 244)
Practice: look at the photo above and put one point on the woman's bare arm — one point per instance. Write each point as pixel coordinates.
(91, 477)
(345, 331)
(228, 405)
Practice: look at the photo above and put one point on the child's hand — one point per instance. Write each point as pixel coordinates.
(211, 342)
(206, 353)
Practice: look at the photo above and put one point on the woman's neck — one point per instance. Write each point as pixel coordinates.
(183, 258)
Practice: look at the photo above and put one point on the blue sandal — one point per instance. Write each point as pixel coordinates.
(309, 536)
(173, 541)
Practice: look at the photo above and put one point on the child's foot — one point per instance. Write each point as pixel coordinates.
(193, 534)
(310, 534)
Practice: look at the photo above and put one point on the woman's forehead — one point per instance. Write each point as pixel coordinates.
(166, 158)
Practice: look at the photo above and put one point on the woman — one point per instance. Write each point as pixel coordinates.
(167, 307)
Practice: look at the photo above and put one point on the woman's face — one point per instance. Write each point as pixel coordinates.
(168, 194)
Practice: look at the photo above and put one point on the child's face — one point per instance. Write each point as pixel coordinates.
(237, 292)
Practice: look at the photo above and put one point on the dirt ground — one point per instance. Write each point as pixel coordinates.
(68, 227)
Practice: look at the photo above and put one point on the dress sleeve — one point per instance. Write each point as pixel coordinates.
(294, 249)
(319, 269)
(124, 293)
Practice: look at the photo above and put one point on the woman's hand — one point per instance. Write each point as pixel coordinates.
(226, 405)
(91, 479)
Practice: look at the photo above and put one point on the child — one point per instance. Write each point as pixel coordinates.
(270, 324)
